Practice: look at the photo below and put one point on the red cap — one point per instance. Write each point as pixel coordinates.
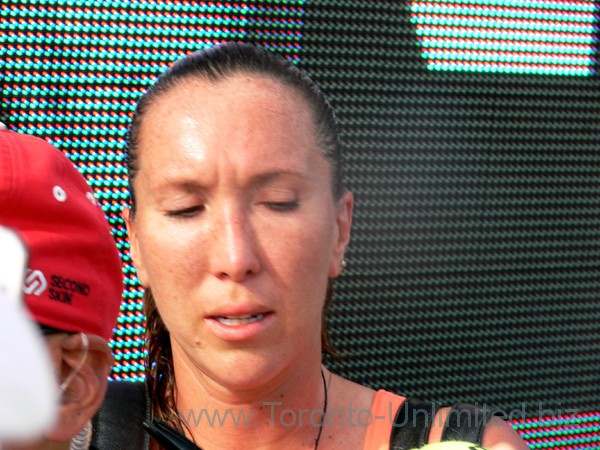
(74, 277)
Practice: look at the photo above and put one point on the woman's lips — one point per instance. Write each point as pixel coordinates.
(239, 320)
(240, 327)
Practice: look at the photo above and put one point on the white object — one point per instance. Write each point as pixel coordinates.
(28, 392)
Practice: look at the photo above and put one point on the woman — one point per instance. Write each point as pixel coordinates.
(238, 225)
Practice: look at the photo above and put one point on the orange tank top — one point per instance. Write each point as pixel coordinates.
(383, 412)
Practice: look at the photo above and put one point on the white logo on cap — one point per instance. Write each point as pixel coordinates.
(59, 193)
(35, 282)
(91, 198)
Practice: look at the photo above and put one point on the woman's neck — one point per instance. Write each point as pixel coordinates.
(285, 408)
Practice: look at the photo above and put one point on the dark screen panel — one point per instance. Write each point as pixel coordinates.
(473, 269)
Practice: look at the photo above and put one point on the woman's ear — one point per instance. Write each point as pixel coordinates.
(84, 364)
(343, 223)
(134, 248)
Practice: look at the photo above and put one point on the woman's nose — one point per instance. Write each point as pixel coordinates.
(234, 250)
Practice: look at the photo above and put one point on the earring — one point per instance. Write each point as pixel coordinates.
(344, 264)
(85, 342)
(83, 439)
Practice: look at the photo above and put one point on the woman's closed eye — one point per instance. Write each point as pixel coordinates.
(190, 211)
(282, 206)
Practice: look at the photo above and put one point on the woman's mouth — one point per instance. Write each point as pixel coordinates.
(241, 327)
(239, 320)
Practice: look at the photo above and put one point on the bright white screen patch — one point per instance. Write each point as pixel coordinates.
(519, 36)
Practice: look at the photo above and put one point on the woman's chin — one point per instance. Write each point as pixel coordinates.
(249, 373)
(238, 372)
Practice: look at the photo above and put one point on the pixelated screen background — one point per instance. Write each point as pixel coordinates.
(472, 136)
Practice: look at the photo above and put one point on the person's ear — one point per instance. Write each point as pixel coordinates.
(134, 246)
(343, 223)
(84, 366)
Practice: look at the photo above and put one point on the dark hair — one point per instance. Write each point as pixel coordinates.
(216, 63)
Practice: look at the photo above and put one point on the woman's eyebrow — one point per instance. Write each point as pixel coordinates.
(184, 185)
(268, 177)
(256, 181)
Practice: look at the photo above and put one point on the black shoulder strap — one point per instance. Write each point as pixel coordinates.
(465, 422)
(411, 425)
(118, 423)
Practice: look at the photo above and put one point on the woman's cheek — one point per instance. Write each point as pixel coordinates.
(162, 253)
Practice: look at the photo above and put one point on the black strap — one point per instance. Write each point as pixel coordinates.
(168, 437)
(118, 423)
(465, 422)
(412, 424)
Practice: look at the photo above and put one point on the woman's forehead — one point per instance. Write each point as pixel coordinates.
(246, 116)
(231, 103)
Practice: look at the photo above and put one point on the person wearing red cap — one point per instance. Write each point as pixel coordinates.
(73, 284)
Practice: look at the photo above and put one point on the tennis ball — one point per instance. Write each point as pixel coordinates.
(452, 445)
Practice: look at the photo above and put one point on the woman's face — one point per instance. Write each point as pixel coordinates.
(236, 230)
